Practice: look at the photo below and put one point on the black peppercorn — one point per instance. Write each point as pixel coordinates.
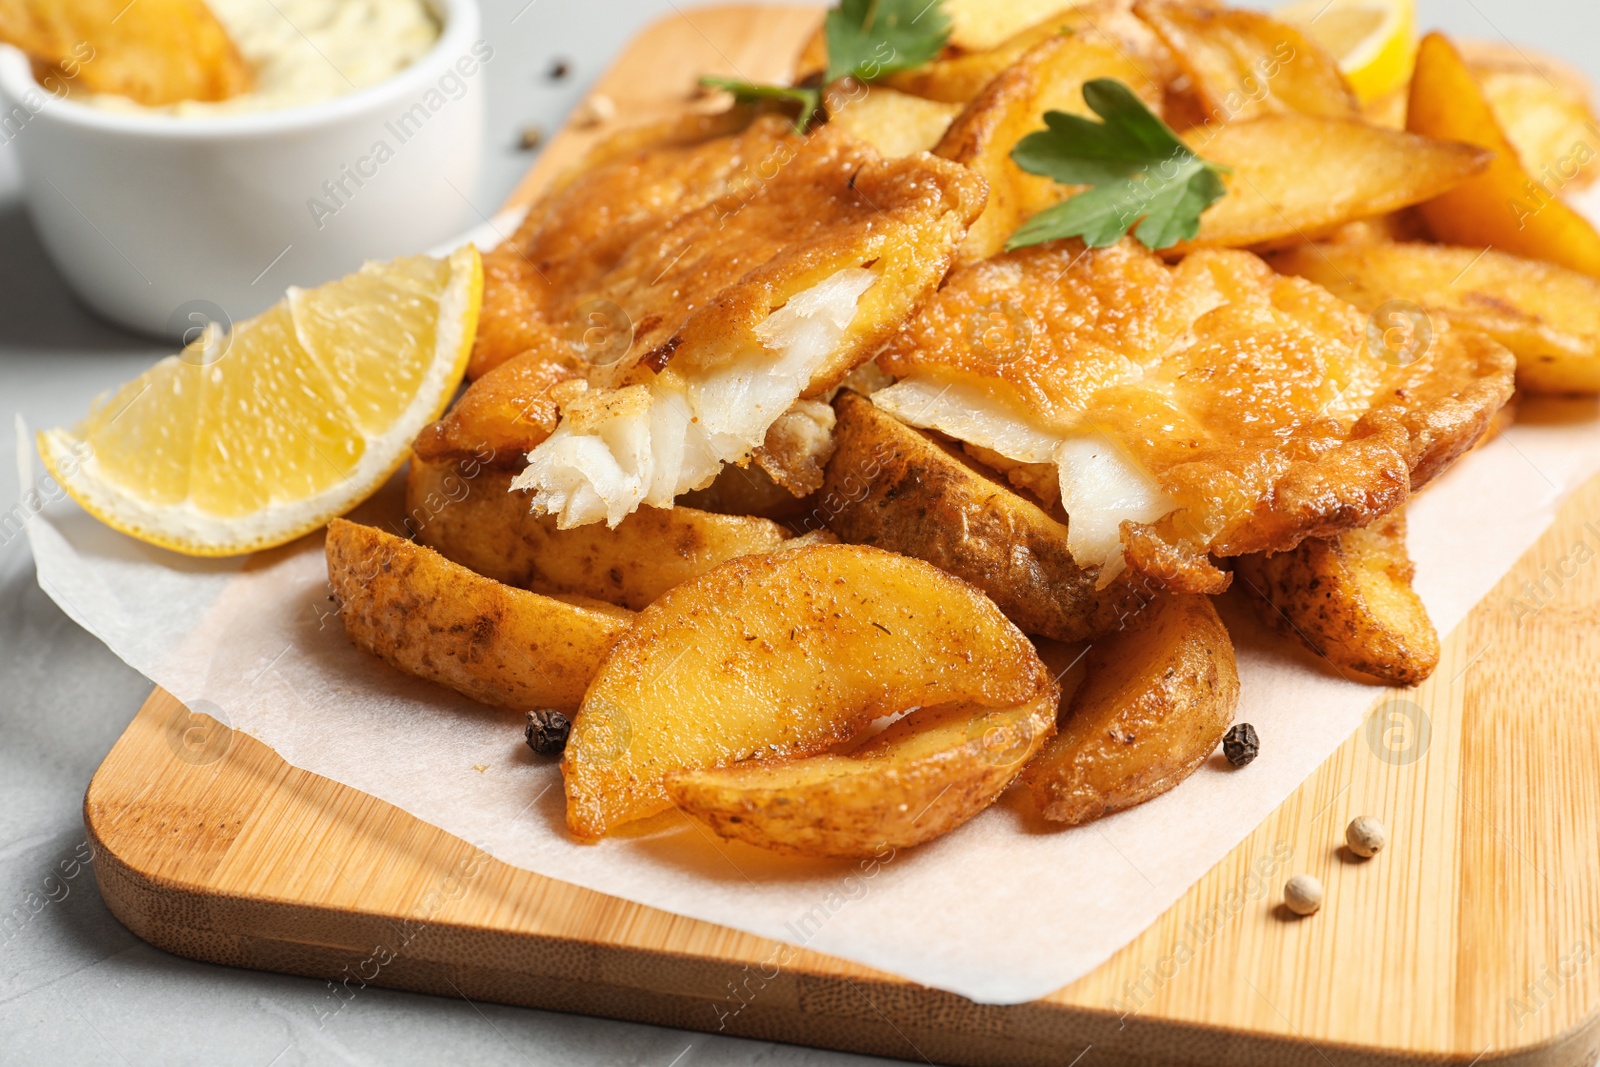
(559, 68)
(547, 731)
(1240, 744)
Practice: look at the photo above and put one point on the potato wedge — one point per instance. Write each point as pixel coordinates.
(1243, 64)
(957, 80)
(1543, 106)
(783, 655)
(1050, 77)
(1548, 316)
(1505, 207)
(895, 123)
(987, 27)
(1297, 176)
(1155, 701)
(980, 25)
(437, 620)
(892, 486)
(746, 491)
(962, 77)
(922, 777)
(1350, 601)
(481, 523)
(155, 52)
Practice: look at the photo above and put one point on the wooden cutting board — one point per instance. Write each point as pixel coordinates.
(1475, 938)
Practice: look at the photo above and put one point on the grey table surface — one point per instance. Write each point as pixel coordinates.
(75, 986)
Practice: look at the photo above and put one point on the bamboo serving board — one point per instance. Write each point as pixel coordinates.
(1475, 938)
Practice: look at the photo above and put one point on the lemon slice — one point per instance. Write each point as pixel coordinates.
(1374, 40)
(249, 440)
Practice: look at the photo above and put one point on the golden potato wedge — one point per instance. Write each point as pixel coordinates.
(1505, 207)
(1243, 64)
(1388, 110)
(1543, 106)
(959, 78)
(981, 25)
(1350, 601)
(746, 491)
(1050, 77)
(783, 655)
(1298, 176)
(481, 523)
(155, 52)
(1548, 316)
(895, 123)
(892, 486)
(1155, 701)
(437, 620)
(922, 777)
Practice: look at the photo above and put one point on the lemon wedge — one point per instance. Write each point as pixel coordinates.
(1374, 40)
(251, 439)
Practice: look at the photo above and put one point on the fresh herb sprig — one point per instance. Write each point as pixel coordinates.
(745, 92)
(867, 39)
(1140, 176)
(870, 38)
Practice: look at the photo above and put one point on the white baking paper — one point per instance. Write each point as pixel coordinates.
(256, 644)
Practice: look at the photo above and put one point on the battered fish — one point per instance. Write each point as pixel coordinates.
(737, 305)
(1211, 408)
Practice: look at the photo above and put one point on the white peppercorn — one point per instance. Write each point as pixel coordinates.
(1302, 894)
(1366, 836)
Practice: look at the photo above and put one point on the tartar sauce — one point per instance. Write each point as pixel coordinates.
(304, 51)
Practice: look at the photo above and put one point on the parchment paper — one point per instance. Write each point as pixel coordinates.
(255, 643)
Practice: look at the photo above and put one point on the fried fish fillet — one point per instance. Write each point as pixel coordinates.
(1209, 408)
(736, 307)
(630, 184)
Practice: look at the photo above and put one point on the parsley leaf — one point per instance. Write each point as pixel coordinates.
(1141, 176)
(752, 92)
(866, 40)
(870, 38)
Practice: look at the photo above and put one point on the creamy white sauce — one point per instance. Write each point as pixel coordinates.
(306, 51)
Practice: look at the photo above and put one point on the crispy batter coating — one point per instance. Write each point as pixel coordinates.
(501, 415)
(670, 283)
(695, 241)
(578, 232)
(1251, 399)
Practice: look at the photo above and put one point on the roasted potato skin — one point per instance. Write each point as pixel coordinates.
(1349, 600)
(782, 656)
(157, 53)
(1048, 77)
(1496, 207)
(892, 486)
(1243, 64)
(921, 778)
(1156, 699)
(437, 620)
(482, 524)
(1548, 316)
(1296, 176)
(1543, 106)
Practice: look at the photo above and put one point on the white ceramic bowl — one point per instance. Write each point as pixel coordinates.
(158, 221)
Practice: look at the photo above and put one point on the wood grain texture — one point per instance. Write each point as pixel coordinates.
(1474, 938)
